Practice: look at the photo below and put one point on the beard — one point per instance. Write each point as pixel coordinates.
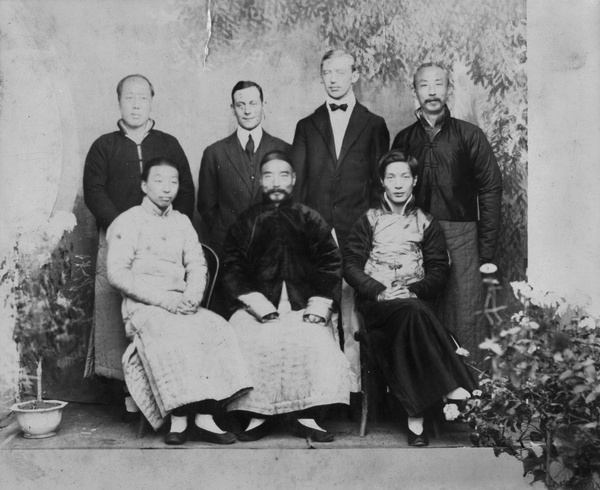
(270, 192)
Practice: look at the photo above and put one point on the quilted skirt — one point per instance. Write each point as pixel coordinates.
(294, 365)
(175, 360)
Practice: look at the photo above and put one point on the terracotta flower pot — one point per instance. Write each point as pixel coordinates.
(38, 423)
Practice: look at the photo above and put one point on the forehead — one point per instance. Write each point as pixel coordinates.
(136, 85)
(397, 168)
(276, 166)
(165, 171)
(343, 62)
(430, 73)
(246, 95)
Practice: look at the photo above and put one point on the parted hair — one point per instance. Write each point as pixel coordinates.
(338, 53)
(242, 84)
(397, 156)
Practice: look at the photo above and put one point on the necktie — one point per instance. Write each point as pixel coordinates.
(250, 147)
(335, 107)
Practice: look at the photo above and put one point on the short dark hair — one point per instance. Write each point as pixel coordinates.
(338, 53)
(135, 75)
(242, 84)
(397, 156)
(430, 64)
(155, 162)
(277, 155)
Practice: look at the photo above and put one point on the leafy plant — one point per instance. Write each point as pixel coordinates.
(48, 296)
(541, 402)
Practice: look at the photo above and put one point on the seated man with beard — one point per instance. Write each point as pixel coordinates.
(282, 269)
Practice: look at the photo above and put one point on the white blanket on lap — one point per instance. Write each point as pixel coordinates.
(175, 360)
(294, 365)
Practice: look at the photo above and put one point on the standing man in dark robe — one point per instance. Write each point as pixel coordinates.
(229, 180)
(460, 184)
(335, 154)
(111, 186)
(282, 273)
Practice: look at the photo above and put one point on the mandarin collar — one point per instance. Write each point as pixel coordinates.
(386, 205)
(153, 209)
(439, 121)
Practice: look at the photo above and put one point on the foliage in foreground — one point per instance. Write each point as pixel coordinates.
(541, 403)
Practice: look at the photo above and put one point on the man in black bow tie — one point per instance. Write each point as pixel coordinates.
(335, 153)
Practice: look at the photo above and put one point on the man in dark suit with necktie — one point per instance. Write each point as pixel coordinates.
(229, 181)
(335, 154)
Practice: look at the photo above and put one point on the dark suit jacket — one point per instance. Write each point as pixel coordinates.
(229, 183)
(341, 190)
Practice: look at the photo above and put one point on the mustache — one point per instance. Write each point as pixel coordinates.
(275, 191)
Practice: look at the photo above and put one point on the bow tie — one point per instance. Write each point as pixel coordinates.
(335, 107)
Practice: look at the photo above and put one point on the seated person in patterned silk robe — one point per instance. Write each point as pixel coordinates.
(282, 271)
(183, 359)
(396, 260)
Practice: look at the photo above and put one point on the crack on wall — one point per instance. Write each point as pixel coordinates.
(208, 31)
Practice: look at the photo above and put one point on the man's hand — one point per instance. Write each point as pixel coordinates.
(314, 319)
(396, 292)
(187, 307)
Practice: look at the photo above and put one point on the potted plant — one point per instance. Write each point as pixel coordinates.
(47, 312)
(39, 418)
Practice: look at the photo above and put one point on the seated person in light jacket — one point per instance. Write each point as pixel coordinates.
(183, 359)
(396, 260)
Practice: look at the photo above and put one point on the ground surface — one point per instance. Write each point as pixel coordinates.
(93, 449)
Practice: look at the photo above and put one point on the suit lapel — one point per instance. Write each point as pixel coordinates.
(356, 124)
(321, 120)
(238, 159)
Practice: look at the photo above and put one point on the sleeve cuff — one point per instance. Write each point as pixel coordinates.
(319, 306)
(257, 304)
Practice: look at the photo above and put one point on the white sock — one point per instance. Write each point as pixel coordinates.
(311, 424)
(178, 424)
(206, 422)
(130, 405)
(254, 423)
(415, 425)
(458, 394)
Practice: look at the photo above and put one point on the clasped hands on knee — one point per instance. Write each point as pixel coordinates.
(399, 291)
(187, 306)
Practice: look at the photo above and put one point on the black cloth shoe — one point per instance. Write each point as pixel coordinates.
(199, 434)
(129, 417)
(299, 430)
(175, 438)
(420, 440)
(255, 434)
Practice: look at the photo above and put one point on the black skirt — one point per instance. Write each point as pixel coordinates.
(416, 354)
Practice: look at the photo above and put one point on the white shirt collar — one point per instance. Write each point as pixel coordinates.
(243, 134)
(349, 99)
